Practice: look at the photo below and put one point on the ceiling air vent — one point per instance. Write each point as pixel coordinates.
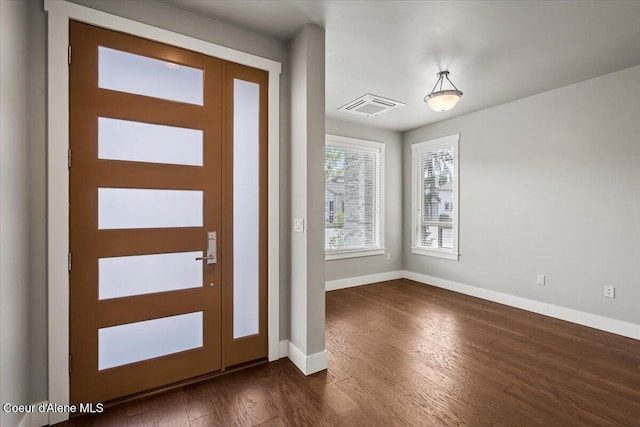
(371, 105)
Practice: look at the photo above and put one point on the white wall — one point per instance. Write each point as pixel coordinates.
(549, 184)
(37, 203)
(307, 57)
(362, 266)
(14, 208)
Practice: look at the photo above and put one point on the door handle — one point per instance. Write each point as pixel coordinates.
(212, 250)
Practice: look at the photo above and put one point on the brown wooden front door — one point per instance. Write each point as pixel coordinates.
(167, 165)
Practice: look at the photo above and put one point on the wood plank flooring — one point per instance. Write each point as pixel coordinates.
(403, 353)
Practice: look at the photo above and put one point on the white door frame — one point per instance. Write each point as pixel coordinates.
(59, 14)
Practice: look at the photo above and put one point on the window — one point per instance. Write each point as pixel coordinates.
(435, 197)
(353, 172)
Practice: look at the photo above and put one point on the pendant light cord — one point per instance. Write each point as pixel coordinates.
(440, 79)
(454, 86)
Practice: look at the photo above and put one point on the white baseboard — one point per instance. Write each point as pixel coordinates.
(40, 419)
(35, 419)
(25, 421)
(607, 324)
(307, 364)
(317, 362)
(596, 321)
(283, 348)
(350, 282)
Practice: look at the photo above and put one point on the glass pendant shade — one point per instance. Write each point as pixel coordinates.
(443, 99)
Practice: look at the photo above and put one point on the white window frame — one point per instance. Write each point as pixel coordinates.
(451, 141)
(365, 145)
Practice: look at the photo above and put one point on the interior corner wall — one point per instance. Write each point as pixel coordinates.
(307, 59)
(285, 198)
(164, 16)
(37, 202)
(14, 209)
(549, 184)
(362, 266)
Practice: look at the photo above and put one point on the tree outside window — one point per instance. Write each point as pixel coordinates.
(352, 194)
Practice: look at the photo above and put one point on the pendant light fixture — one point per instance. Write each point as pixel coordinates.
(443, 99)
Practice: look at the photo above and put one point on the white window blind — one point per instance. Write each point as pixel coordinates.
(353, 194)
(435, 165)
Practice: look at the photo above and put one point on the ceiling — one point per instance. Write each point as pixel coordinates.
(496, 51)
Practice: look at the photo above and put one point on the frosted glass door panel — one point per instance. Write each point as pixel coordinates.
(246, 208)
(146, 274)
(139, 208)
(127, 72)
(145, 142)
(133, 342)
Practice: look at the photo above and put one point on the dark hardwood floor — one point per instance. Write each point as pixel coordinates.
(403, 353)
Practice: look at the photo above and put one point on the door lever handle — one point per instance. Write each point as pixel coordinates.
(212, 255)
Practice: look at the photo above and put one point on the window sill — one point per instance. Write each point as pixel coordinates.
(353, 253)
(435, 253)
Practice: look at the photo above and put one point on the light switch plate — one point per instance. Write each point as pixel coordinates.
(298, 225)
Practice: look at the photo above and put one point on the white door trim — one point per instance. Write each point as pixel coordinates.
(59, 14)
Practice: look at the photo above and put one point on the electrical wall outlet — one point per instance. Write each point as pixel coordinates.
(298, 225)
(388, 256)
(609, 291)
(541, 279)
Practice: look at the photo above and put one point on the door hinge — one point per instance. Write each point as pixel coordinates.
(69, 261)
(69, 363)
(69, 158)
(69, 55)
